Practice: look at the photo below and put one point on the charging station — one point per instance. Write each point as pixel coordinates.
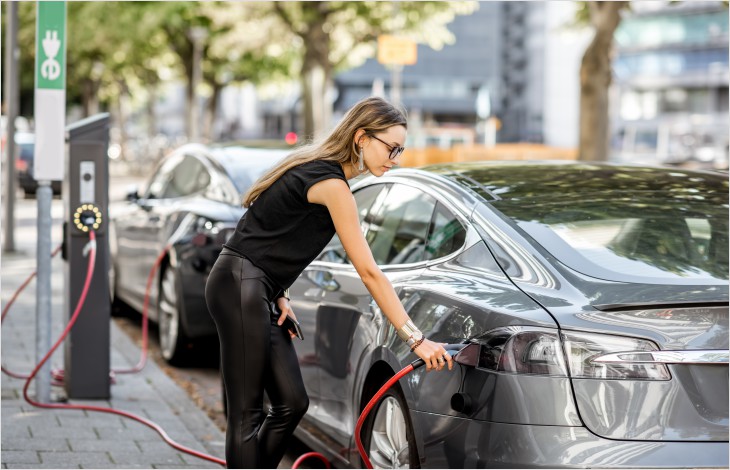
(86, 197)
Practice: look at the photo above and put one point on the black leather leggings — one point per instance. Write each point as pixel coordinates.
(256, 355)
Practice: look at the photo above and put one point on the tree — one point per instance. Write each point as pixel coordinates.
(335, 35)
(595, 78)
(234, 47)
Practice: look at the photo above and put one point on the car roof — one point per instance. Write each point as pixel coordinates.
(567, 180)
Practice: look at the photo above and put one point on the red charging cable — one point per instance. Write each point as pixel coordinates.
(140, 365)
(72, 321)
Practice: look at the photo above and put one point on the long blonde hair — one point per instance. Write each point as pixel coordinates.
(370, 114)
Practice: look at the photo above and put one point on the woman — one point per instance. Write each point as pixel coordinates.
(294, 211)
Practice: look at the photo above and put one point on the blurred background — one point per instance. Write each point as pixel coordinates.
(643, 82)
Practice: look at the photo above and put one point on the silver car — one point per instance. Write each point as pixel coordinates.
(597, 296)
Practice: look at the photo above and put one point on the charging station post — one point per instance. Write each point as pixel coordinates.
(50, 114)
(86, 193)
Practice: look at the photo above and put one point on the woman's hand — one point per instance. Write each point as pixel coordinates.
(286, 311)
(434, 355)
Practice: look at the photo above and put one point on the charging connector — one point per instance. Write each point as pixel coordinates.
(87, 217)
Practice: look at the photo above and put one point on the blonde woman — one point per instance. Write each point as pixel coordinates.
(293, 212)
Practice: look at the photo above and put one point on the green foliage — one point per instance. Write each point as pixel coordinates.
(127, 47)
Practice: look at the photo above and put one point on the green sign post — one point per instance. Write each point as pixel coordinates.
(50, 91)
(51, 46)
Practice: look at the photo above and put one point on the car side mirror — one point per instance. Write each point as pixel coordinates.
(132, 193)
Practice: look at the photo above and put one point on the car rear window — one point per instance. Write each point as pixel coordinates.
(621, 236)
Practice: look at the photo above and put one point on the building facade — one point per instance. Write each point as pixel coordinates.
(671, 84)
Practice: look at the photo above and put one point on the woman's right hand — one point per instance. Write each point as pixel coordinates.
(434, 355)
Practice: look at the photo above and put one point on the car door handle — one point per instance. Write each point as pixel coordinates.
(154, 218)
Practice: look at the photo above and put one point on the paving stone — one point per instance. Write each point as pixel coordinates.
(38, 432)
(101, 445)
(15, 430)
(14, 443)
(20, 456)
(123, 458)
(94, 421)
(74, 459)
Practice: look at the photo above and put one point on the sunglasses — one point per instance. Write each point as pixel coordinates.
(394, 151)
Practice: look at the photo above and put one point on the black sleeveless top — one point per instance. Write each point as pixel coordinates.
(282, 232)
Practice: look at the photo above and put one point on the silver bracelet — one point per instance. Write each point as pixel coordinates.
(409, 332)
(413, 340)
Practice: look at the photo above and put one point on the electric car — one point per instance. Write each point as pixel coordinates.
(176, 228)
(597, 295)
(25, 148)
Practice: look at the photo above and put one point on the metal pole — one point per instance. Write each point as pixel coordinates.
(197, 36)
(395, 85)
(12, 53)
(44, 196)
(194, 119)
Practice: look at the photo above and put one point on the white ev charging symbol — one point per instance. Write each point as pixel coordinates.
(50, 68)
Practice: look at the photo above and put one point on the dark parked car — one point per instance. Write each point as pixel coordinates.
(24, 157)
(597, 296)
(192, 204)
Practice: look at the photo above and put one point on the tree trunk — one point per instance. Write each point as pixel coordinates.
(151, 116)
(595, 80)
(211, 110)
(316, 76)
(189, 94)
(89, 97)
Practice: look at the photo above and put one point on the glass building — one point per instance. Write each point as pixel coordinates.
(671, 84)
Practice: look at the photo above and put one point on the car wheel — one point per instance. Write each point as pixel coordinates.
(388, 434)
(173, 341)
(118, 307)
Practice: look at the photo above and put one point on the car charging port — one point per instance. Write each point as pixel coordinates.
(87, 217)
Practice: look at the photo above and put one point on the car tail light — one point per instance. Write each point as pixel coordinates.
(545, 351)
(21, 165)
(523, 350)
(210, 231)
(582, 348)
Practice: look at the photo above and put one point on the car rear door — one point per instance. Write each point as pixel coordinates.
(348, 321)
(136, 228)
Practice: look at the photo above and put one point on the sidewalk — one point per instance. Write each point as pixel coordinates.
(39, 438)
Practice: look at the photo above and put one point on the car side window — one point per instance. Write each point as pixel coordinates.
(397, 234)
(188, 178)
(364, 198)
(160, 180)
(446, 234)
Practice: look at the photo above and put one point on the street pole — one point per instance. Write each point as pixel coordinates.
(197, 36)
(396, 72)
(11, 99)
(50, 144)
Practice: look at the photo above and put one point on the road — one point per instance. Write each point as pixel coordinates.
(201, 379)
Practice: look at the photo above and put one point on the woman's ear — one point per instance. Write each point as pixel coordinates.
(360, 137)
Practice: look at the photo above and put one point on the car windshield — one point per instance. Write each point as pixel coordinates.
(614, 236)
(246, 165)
(621, 223)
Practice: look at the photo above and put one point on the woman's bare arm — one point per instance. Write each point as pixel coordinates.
(336, 196)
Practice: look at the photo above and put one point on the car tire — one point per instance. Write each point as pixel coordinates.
(388, 433)
(118, 308)
(173, 340)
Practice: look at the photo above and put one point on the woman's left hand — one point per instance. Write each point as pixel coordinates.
(286, 311)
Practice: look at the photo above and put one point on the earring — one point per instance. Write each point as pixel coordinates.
(360, 161)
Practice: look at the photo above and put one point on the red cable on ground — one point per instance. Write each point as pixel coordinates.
(58, 374)
(6, 309)
(376, 398)
(304, 457)
(146, 422)
(145, 315)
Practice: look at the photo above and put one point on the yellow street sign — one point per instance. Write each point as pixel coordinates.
(394, 50)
